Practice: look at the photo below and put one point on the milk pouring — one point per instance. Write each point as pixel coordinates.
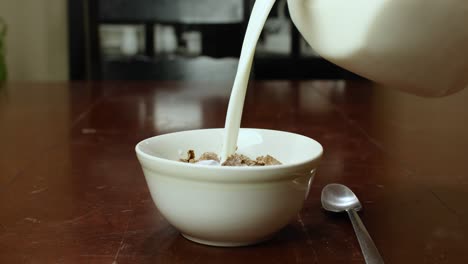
(418, 46)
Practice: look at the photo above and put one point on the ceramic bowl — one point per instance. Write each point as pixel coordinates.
(229, 206)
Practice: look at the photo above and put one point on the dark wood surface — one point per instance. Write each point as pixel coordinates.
(72, 191)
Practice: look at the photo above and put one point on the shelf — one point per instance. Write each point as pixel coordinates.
(170, 68)
(272, 68)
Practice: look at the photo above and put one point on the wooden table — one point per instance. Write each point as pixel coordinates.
(72, 191)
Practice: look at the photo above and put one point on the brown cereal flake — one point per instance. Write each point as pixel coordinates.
(267, 161)
(190, 157)
(209, 156)
(238, 160)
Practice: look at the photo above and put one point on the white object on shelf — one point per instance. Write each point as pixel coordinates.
(165, 39)
(193, 42)
(129, 46)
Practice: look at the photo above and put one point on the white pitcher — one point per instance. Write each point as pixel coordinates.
(419, 46)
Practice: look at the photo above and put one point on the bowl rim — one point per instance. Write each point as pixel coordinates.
(221, 173)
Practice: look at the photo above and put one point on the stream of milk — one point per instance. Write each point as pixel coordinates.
(257, 20)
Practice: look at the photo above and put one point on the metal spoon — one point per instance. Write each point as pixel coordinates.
(339, 198)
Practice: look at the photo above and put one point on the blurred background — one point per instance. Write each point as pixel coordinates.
(150, 40)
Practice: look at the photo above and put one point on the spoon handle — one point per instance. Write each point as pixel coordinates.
(368, 248)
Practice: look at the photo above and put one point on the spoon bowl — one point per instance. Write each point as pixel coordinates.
(339, 198)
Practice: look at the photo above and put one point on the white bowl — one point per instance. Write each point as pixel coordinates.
(229, 206)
